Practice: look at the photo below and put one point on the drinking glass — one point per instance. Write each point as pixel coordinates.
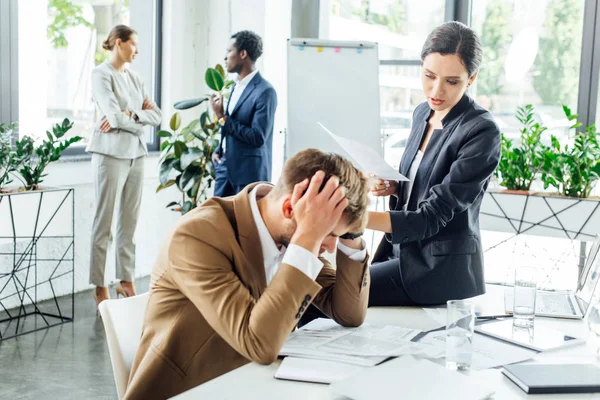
(524, 296)
(460, 325)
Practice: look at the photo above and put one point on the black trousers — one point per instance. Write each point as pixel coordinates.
(387, 289)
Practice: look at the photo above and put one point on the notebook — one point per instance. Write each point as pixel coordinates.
(410, 378)
(555, 378)
(317, 371)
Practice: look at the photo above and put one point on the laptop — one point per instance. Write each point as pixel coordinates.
(567, 305)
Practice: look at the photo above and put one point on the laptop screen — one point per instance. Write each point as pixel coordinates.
(589, 277)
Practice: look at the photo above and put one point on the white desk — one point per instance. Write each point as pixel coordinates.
(254, 381)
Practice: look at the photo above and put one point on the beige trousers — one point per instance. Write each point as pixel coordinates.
(116, 182)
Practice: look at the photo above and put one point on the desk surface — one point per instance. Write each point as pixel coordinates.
(254, 381)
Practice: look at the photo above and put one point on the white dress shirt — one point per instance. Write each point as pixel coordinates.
(412, 174)
(238, 89)
(296, 256)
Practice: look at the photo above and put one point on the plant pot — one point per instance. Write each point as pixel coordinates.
(540, 215)
(36, 260)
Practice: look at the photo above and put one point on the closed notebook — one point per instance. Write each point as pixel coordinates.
(555, 378)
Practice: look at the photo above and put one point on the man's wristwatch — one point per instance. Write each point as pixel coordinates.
(351, 236)
(222, 120)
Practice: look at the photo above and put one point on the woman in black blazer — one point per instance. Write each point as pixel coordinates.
(432, 251)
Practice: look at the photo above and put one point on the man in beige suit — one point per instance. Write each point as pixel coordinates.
(237, 273)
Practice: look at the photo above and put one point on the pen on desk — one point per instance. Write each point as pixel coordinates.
(483, 317)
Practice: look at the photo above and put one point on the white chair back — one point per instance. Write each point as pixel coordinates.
(123, 320)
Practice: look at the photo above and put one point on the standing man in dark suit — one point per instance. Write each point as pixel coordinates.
(245, 153)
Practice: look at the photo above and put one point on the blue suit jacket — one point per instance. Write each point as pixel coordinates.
(248, 133)
(437, 239)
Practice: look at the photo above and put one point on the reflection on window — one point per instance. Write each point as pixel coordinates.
(400, 92)
(398, 26)
(532, 51)
(59, 45)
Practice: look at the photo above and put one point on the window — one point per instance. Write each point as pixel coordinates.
(398, 26)
(59, 45)
(531, 55)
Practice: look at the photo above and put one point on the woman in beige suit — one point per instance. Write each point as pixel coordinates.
(118, 147)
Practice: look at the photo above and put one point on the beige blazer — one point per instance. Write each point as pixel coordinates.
(114, 91)
(210, 310)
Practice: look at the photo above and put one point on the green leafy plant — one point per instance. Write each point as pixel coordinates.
(186, 162)
(573, 169)
(9, 162)
(35, 158)
(520, 165)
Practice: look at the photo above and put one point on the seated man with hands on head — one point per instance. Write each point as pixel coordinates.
(236, 274)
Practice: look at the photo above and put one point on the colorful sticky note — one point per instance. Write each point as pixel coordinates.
(337, 49)
(319, 49)
(359, 50)
(301, 47)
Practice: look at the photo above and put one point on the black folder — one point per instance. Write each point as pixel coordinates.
(555, 378)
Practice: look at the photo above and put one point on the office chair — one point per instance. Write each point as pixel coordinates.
(123, 320)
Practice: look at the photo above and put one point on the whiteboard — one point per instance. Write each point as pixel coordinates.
(335, 83)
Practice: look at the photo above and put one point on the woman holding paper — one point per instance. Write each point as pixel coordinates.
(432, 252)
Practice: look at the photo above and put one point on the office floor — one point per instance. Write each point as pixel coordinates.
(69, 361)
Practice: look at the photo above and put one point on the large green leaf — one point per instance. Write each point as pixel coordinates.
(186, 104)
(190, 155)
(170, 182)
(221, 71)
(214, 80)
(164, 134)
(179, 148)
(190, 176)
(175, 122)
(165, 169)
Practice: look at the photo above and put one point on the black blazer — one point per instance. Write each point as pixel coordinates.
(437, 239)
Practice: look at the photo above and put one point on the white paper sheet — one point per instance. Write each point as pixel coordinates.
(369, 343)
(487, 352)
(319, 371)
(409, 378)
(368, 160)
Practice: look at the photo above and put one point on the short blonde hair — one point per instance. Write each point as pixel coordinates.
(306, 163)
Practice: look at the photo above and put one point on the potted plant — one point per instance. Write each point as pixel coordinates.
(37, 233)
(186, 161)
(573, 170)
(9, 162)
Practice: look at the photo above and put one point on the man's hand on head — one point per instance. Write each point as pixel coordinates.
(316, 212)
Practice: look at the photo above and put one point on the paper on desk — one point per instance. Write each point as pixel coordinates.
(319, 371)
(323, 338)
(437, 314)
(367, 159)
(487, 352)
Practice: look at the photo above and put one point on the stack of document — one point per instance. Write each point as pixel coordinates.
(367, 345)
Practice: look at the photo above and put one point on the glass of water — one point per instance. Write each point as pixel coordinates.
(524, 297)
(460, 325)
(594, 325)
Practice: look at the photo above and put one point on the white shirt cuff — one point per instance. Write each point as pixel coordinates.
(302, 259)
(354, 254)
